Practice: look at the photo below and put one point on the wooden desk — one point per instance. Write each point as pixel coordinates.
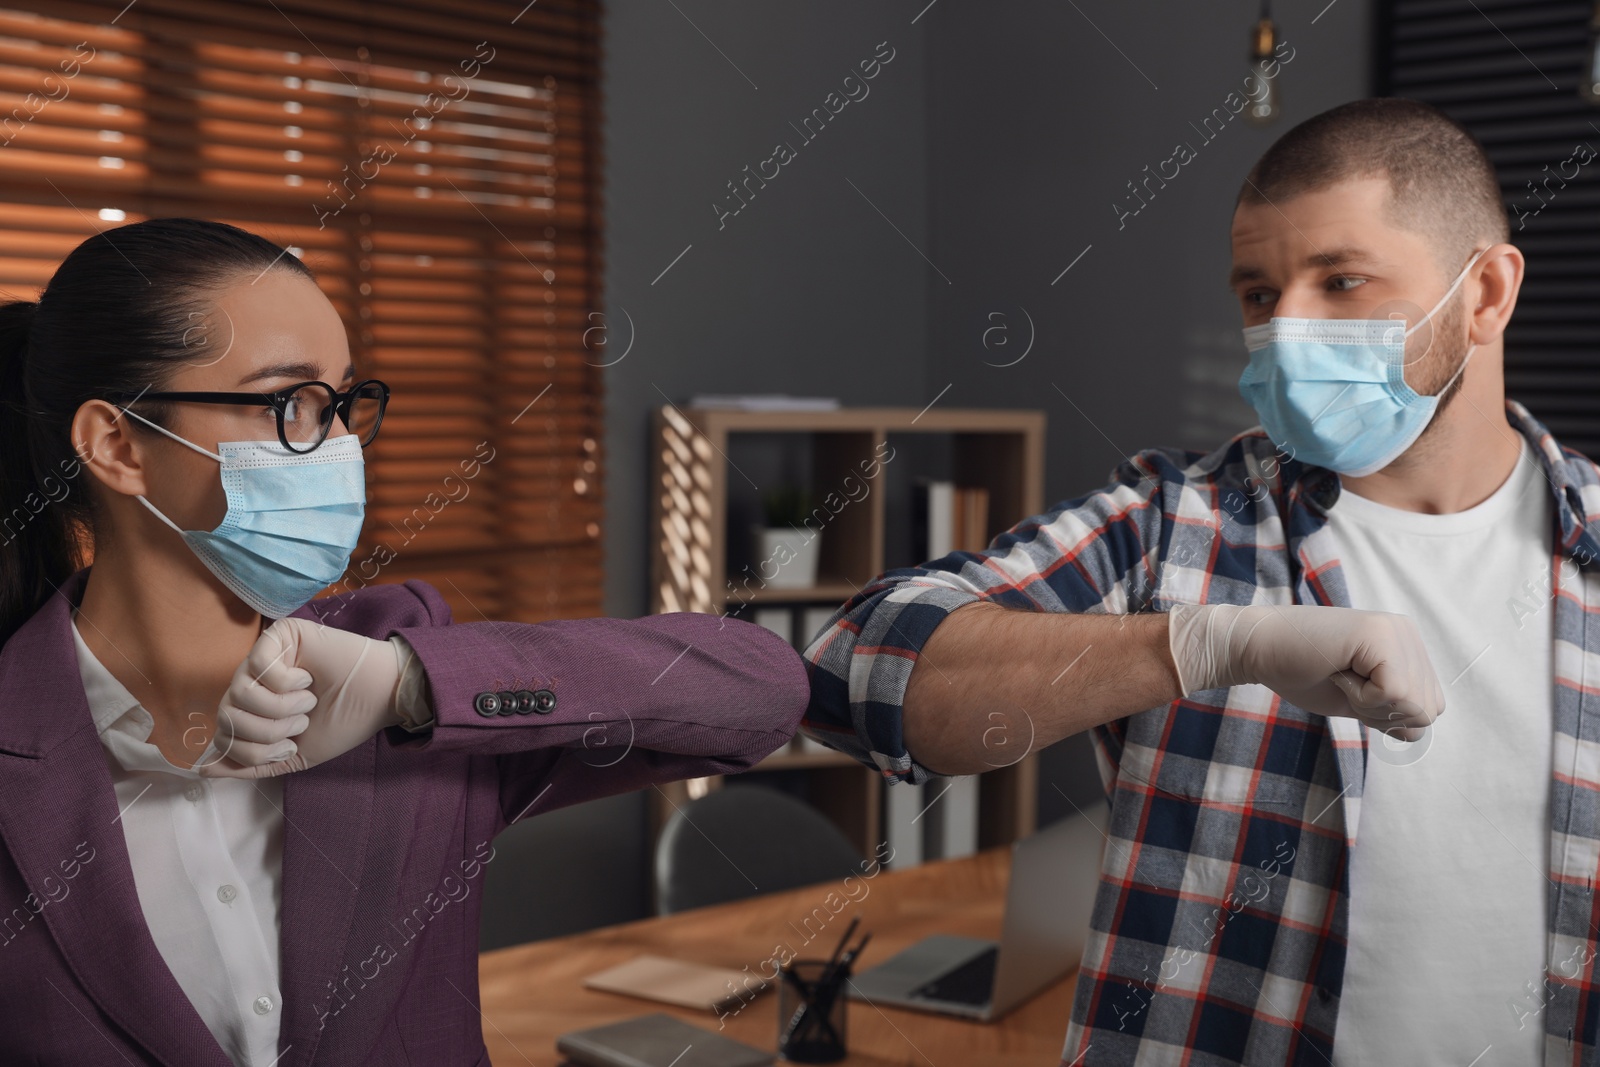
(533, 993)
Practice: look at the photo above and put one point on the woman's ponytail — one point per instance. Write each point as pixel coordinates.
(37, 549)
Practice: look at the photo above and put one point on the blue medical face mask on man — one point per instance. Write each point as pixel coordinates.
(293, 519)
(1333, 393)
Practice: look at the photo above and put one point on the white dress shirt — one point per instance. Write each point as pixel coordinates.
(207, 857)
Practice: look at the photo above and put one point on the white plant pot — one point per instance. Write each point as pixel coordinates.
(787, 559)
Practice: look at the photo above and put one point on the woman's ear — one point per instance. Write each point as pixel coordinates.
(103, 439)
(1499, 278)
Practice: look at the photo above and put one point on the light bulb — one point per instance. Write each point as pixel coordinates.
(1265, 105)
(1589, 78)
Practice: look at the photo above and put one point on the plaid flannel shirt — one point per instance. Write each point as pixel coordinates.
(1219, 930)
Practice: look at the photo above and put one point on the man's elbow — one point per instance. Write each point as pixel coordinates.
(933, 743)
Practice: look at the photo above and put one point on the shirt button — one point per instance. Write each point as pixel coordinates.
(226, 894)
(194, 791)
(263, 1005)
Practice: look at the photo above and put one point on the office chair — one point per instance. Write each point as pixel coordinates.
(566, 871)
(744, 840)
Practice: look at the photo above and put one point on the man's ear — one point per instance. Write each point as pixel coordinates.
(1498, 281)
(105, 442)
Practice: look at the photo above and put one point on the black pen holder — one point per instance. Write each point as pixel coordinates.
(811, 1012)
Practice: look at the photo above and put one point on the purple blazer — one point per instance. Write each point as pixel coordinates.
(384, 847)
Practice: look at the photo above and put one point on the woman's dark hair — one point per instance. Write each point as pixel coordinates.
(122, 313)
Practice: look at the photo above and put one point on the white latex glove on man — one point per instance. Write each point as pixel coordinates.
(1369, 665)
(308, 692)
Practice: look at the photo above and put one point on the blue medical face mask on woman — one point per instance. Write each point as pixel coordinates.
(1333, 393)
(293, 519)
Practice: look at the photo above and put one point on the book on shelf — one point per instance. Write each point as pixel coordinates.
(939, 820)
(902, 812)
(970, 519)
(950, 827)
(779, 620)
(812, 620)
(947, 518)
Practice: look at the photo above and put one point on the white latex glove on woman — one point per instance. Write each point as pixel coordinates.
(1370, 665)
(308, 692)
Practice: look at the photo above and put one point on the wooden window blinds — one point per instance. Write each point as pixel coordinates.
(435, 162)
(1508, 70)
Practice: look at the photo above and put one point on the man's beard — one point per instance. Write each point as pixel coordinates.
(1447, 346)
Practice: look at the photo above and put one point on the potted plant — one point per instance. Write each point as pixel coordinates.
(786, 548)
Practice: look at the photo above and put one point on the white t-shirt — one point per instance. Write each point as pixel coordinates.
(1447, 876)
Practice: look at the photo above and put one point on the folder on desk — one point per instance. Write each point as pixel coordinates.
(657, 1041)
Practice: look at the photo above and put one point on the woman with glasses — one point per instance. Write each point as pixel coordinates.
(240, 823)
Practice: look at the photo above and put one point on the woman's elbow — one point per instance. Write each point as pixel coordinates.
(780, 676)
(758, 675)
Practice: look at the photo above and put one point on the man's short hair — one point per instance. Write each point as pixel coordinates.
(1441, 182)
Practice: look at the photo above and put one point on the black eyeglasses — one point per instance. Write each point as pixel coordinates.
(305, 412)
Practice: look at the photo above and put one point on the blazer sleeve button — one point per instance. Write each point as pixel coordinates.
(487, 704)
(508, 701)
(524, 702)
(544, 701)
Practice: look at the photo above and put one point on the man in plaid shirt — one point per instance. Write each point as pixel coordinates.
(1236, 628)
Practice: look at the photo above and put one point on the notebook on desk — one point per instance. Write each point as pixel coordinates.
(688, 985)
(656, 1041)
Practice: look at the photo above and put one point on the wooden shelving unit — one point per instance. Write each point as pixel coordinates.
(700, 491)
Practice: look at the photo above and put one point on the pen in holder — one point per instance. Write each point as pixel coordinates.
(812, 1005)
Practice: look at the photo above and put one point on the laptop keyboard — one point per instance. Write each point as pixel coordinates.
(971, 983)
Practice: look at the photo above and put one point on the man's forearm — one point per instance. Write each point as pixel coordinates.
(992, 683)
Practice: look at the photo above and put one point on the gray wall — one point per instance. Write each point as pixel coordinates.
(808, 289)
(1036, 123)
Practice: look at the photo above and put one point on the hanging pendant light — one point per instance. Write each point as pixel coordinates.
(1589, 77)
(1263, 110)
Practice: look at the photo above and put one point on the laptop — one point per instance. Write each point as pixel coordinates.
(1055, 874)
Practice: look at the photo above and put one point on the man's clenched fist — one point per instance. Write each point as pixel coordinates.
(1370, 665)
